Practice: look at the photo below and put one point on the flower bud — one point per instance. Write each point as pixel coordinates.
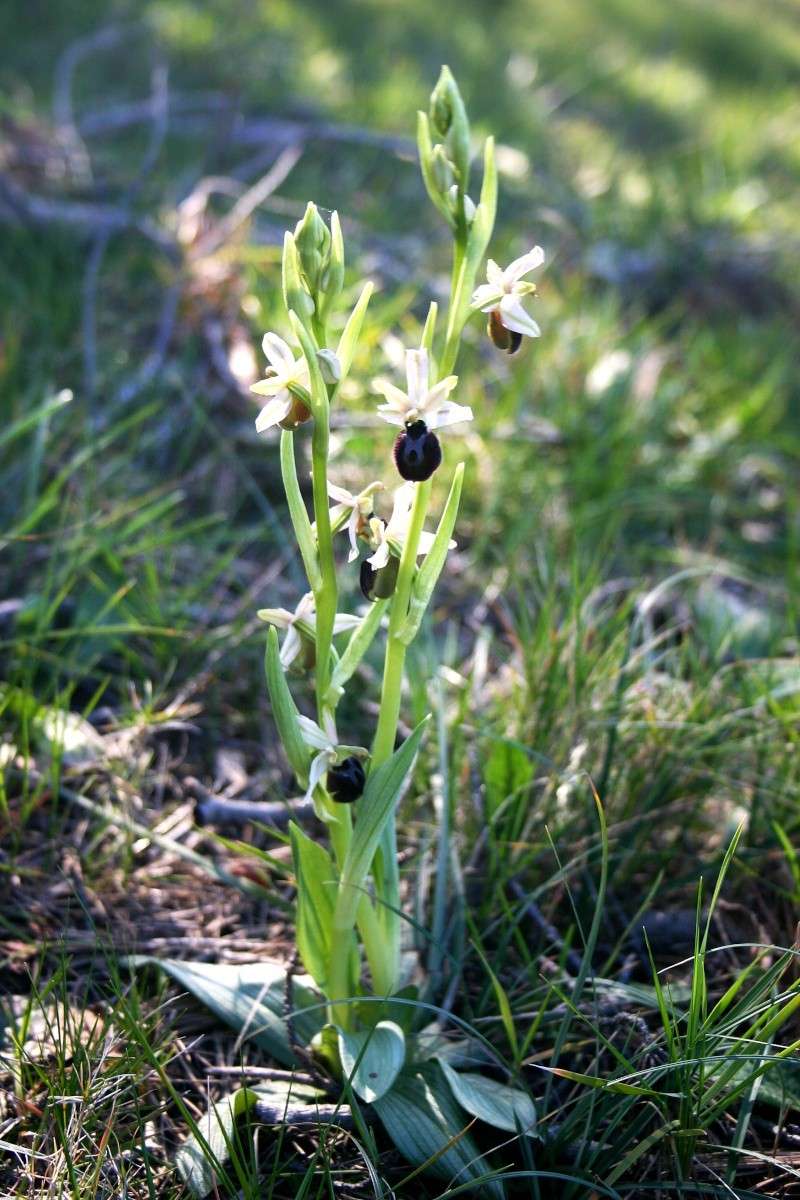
(329, 366)
(345, 782)
(380, 584)
(449, 120)
(505, 339)
(313, 240)
(417, 452)
(442, 169)
(469, 204)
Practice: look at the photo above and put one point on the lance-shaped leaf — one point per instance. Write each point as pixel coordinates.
(429, 1130)
(202, 1157)
(381, 794)
(250, 997)
(298, 512)
(316, 896)
(357, 646)
(480, 231)
(497, 1104)
(428, 334)
(295, 296)
(334, 277)
(428, 574)
(284, 710)
(352, 330)
(372, 1059)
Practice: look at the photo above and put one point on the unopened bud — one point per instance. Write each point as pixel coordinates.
(329, 366)
(442, 169)
(469, 204)
(449, 120)
(313, 240)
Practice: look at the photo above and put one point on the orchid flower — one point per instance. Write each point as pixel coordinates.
(505, 290)
(393, 533)
(286, 377)
(300, 625)
(359, 508)
(421, 401)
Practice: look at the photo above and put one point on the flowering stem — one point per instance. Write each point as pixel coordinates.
(455, 323)
(325, 600)
(385, 955)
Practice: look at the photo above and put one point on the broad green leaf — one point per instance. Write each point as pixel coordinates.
(284, 710)
(298, 512)
(357, 646)
(375, 807)
(202, 1154)
(250, 997)
(372, 1059)
(428, 574)
(316, 897)
(495, 1103)
(352, 331)
(483, 222)
(508, 770)
(428, 1129)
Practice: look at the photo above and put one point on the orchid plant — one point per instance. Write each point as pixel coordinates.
(348, 901)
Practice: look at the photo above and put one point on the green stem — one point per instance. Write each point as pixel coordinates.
(455, 322)
(325, 600)
(386, 875)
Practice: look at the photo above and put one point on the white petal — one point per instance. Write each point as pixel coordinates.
(437, 394)
(397, 400)
(486, 297)
(521, 266)
(381, 556)
(317, 772)
(426, 541)
(494, 274)
(277, 353)
(390, 415)
(515, 318)
(280, 617)
(450, 414)
(344, 621)
(341, 494)
(291, 647)
(312, 735)
(274, 412)
(416, 375)
(352, 533)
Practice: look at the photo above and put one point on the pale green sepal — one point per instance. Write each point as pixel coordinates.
(372, 1059)
(425, 580)
(284, 710)
(497, 1104)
